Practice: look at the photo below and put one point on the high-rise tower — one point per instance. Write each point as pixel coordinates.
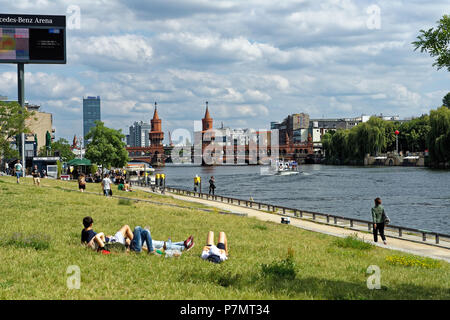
(91, 113)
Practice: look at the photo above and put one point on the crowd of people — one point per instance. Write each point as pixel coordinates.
(113, 178)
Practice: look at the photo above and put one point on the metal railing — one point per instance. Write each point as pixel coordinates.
(340, 221)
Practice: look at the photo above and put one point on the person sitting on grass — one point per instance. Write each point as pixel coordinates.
(214, 253)
(90, 238)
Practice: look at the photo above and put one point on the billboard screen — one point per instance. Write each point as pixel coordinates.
(32, 39)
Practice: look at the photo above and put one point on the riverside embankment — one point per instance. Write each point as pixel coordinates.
(409, 244)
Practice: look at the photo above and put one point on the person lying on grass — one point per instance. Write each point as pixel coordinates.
(214, 253)
(142, 240)
(138, 240)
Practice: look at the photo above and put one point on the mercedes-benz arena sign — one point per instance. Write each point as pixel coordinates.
(32, 38)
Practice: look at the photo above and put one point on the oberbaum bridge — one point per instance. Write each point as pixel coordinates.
(205, 146)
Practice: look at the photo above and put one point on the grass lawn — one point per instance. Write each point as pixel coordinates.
(40, 239)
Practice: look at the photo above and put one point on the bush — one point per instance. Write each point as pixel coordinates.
(284, 269)
(352, 242)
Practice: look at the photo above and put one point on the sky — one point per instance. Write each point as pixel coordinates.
(254, 61)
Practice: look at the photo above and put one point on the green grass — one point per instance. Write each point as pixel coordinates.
(48, 220)
(353, 242)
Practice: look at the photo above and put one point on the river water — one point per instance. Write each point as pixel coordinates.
(412, 197)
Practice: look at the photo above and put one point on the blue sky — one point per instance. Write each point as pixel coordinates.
(254, 61)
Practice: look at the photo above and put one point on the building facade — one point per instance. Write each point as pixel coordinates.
(293, 128)
(39, 124)
(91, 113)
(139, 135)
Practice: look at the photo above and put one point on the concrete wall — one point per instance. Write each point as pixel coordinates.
(393, 159)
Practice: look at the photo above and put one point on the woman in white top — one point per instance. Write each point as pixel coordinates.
(214, 253)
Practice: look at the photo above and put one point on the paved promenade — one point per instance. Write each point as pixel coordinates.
(392, 243)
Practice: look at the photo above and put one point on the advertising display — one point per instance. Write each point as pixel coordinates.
(32, 39)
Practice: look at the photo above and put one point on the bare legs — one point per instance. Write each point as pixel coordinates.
(100, 239)
(127, 234)
(222, 239)
(210, 238)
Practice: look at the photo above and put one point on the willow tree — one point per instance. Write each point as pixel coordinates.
(439, 137)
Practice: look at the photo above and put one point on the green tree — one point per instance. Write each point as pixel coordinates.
(414, 134)
(435, 41)
(61, 146)
(446, 100)
(59, 165)
(106, 147)
(326, 144)
(93, 169)
(439, 137)
(12, 123)
(339, 144)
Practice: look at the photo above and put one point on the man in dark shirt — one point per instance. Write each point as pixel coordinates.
(90, 238)
(36, 176)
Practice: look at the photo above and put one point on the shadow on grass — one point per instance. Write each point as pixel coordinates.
(319, 288)
(287, 287)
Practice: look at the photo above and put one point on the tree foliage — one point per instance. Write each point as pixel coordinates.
(106, 147)
(446, 100)
(414, 134)
(435, 41)
(375, 136)
(439, 137)
(12, 123)
(61, 146)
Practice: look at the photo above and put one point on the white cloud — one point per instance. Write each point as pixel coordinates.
(131, 50)
(255, 61)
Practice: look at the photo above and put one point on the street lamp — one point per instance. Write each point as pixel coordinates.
(396, 140)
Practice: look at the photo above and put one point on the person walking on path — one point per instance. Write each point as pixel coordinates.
(36, 176)
(378, 216)
(212, 186)
(18, 170)
(82, 182)
(106, 184)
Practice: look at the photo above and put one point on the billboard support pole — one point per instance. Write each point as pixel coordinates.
(21, 100)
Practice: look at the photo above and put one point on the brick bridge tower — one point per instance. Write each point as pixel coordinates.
(207, 130)
(156, 136)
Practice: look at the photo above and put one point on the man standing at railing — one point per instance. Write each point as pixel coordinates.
(378, 220)
(212, 185)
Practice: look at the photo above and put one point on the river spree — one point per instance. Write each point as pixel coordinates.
(412, 197)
